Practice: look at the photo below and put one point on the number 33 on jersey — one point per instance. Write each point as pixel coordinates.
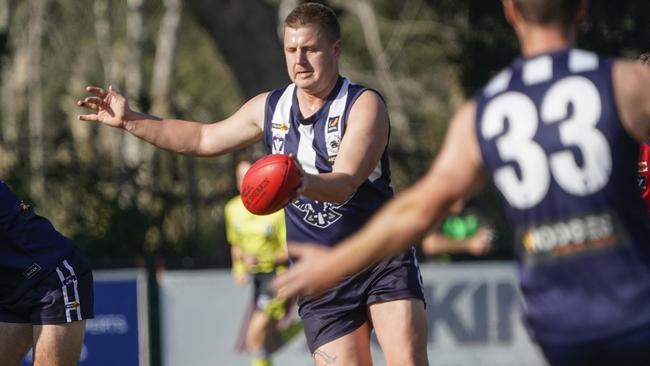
(552, 141)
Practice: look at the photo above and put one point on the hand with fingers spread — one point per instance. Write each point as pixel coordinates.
(309, 275)
(109, 107)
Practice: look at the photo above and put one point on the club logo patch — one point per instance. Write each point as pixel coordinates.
(278, 144)
(319, 214)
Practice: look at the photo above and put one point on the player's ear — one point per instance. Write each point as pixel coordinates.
(337, 48)
(510, 11)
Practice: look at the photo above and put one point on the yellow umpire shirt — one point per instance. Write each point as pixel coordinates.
(261, 236)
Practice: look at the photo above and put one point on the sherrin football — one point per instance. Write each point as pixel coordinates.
(270, 184)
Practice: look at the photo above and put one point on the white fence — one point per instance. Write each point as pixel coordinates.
(472, 310)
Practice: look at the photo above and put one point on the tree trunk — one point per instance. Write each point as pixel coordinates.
(284, 8)
(163, 65)
(35, 97)
(368, 21)
(4, 26)
(109, 139)
(245, 31)
(132, 146)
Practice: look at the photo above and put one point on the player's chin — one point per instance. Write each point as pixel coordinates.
(304, 79)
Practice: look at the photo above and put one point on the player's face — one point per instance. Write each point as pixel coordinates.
(312, 58)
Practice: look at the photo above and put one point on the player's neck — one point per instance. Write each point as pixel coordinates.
(311, 101)
(537, 40)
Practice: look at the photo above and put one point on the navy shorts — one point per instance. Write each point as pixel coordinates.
(344, 308)
(63, 296)
(631, 349)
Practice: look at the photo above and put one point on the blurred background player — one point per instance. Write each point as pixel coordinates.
(644, 156)
(339, 132)
(46, 288)
(259, 251)
(557, 132)
(460, 233)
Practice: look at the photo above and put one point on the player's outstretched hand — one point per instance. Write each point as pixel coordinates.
(108, 107)
(309, 275)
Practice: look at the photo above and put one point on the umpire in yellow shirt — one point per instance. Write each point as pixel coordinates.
(259, 251)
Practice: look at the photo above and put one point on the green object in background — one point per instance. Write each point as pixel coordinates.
(460, 227)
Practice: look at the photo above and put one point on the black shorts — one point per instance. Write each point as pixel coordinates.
(343, 309)
(63, 296)
(262, 291)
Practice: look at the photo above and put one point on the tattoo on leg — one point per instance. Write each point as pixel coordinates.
(329, 360)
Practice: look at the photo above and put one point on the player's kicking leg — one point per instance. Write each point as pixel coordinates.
(352, 349)
(58, 344)
(401, 330)
(15, 340)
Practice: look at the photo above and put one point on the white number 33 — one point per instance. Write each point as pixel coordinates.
(536, 166)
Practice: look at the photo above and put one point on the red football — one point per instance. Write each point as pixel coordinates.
(270, 184)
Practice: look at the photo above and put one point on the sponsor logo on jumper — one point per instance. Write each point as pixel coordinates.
(332, 124)
(571, 236)
(282, 127)
(69, 280)
(32, 271)
(333, 138)
(333, 143)
(319, 214)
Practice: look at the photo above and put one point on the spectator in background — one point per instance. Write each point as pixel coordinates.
(460, 233)
(259, 251)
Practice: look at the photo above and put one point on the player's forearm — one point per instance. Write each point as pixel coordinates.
(178, 136)
(439, 244)
(329, 187)
(281, 258)
(400, 223)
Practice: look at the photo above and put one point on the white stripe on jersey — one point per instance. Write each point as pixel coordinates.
(537, 70)
(376, 174)
(498, 83)
(306, 152)
(281, 116)
(581, 61)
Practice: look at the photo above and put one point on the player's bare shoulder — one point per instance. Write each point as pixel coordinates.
(630, 82)
(369, 103)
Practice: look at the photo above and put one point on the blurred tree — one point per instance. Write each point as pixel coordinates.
(245, 33)
(122, 200)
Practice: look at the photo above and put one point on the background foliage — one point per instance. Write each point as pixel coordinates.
(125, 203)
